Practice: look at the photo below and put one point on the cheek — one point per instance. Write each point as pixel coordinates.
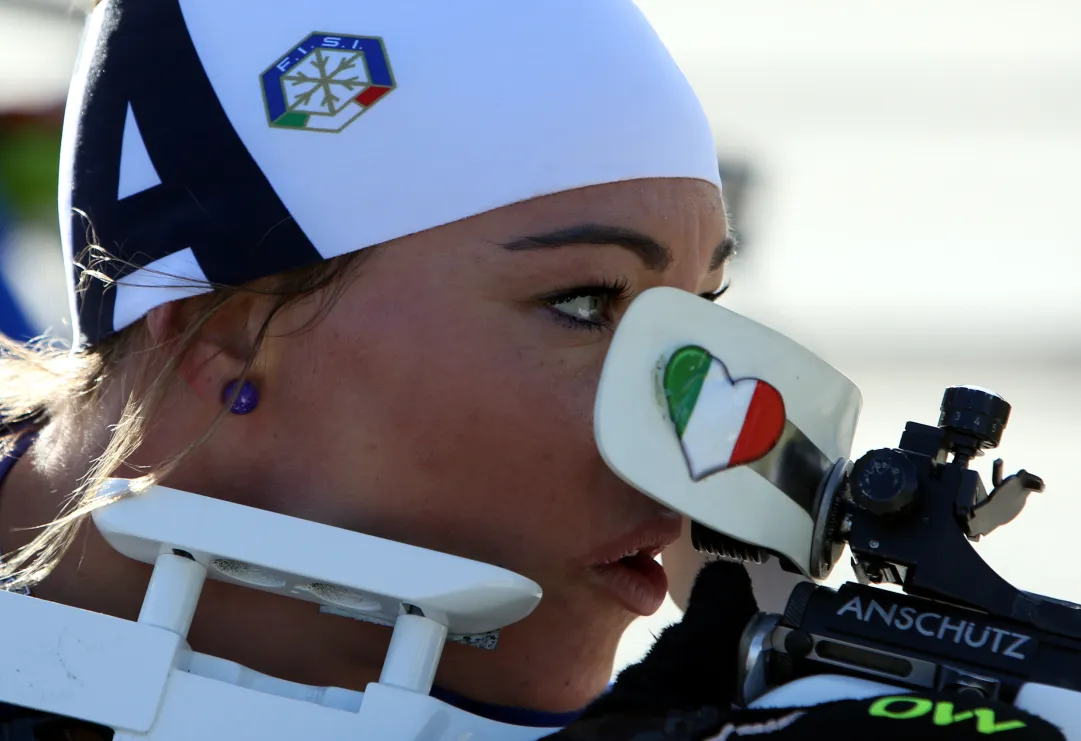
(466, 437)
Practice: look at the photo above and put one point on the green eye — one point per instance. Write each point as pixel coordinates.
(589, 308)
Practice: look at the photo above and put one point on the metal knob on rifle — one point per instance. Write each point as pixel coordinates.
(884, 482)
(975, 411)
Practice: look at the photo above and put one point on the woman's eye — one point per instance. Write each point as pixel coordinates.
(714, 295)
(589, 308)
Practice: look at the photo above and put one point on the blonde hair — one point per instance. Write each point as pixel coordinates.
(42, 383)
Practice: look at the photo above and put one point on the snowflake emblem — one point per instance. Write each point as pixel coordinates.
(326, 82)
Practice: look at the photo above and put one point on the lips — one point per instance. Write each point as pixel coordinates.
(627, 569)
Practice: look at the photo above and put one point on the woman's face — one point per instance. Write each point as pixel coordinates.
(446, 400)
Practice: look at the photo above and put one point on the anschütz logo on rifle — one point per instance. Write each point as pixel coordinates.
(939, 627)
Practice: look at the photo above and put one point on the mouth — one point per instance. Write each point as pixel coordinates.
(627, 568)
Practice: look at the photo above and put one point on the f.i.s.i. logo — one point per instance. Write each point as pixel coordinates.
(326, 82)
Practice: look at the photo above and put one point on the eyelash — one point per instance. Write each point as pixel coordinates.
(612, 291)
(713, 296)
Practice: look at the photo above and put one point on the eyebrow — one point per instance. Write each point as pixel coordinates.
(655, 255)
(723, 252)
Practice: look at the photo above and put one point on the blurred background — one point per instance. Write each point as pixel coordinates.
(39, 40)
(902, 177)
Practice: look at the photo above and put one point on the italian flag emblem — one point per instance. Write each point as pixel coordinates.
(721, 422)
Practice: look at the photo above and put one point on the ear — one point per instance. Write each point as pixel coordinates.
(218, 352)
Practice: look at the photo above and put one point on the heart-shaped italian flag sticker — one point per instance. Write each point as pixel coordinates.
(721, 423)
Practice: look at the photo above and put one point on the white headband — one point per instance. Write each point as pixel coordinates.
(362, 122)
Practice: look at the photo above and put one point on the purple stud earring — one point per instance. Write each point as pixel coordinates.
(245, 401)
